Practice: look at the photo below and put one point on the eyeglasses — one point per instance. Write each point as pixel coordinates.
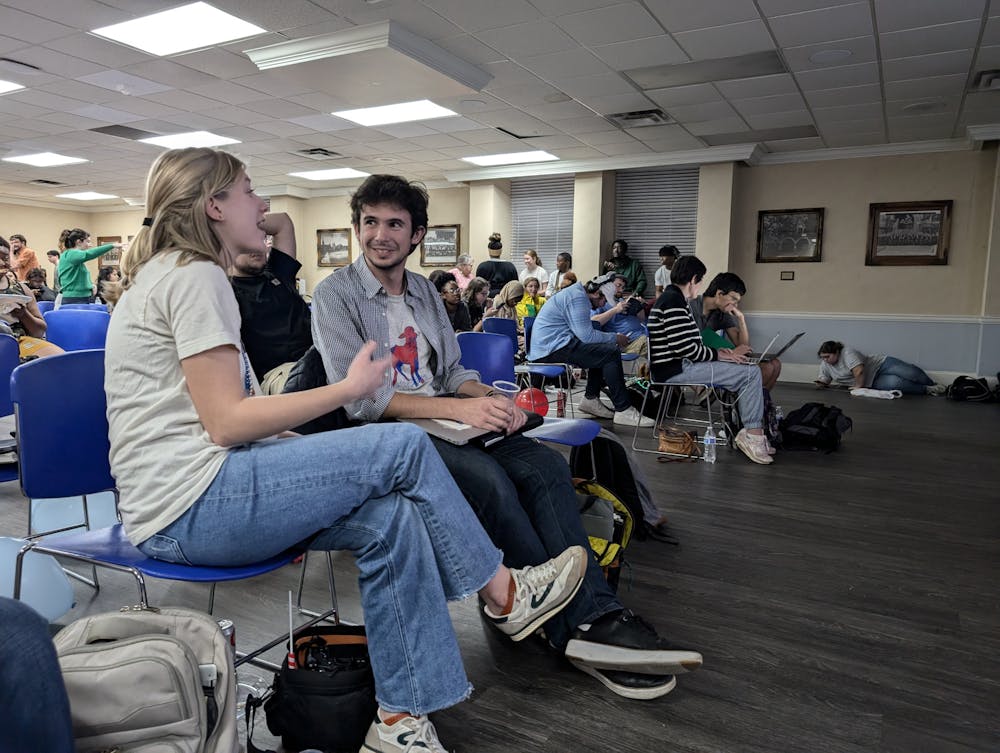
(450, 290)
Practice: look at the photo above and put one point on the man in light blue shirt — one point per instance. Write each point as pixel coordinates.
(563, 333)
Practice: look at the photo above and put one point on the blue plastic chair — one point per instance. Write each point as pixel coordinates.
(498, 326)
(9, 359)
(85, 306)
(490, 354)
(77, 329)
(44, 306)
(60, 402)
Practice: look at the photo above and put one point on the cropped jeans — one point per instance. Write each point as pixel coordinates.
(603, 362)
(895, 374)
(524, 496)
(743, 379)
(380, 492)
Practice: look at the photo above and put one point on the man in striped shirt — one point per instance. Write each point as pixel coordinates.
(678, 356)
(520, 490)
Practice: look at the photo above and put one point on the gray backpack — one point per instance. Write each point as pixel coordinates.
(149, 680)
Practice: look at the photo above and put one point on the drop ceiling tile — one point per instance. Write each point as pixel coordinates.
(614, 136)
(280, 128)
(579, 152)
(943, 106)
(42, 100)
(777, 103)
(930, 39)
(763, 86)
(583, 127)
(169, 73)
(285, 109)
(227, 92)
(848, 95)
(107, 114)
(836, 140)
(678, 139)
(278, 83)
(870, 110)
(895, 15)
(726, 41)
(519, 123)
(684, 15)
(84, 14)
(555, 8)
(810, 27)
(845, 75)
(693, 94)
(31, 27)
(988, 58)
(98, 50)
(784, 7)
(322, 122)
(527, 39)
(507, 74)
(933, 86)
(470, 49)
(233, 114)
(940, 64)
(198, 121)
(862, 50)
(478, 15)
(702, 112)
(125, 83)
(245, 134)
(901, 133)
(565, 64)
(605, 85)
(526, 94)
(552, 143)
(641, 53)
(222, 63)
(620, 150)
(58, 64)
(794, 145)
(144, 107)
(481, 136)
(608, 105)
(982, 102)
(183, 100)
(453, 125)
(779, 119)
(869, 125)
(436, 141)
(723, 125)
(607, 25)
(557, 111)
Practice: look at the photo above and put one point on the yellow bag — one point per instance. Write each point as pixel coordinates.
(36, 347)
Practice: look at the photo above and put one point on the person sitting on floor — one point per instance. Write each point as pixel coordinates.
(208, 474)
(454, 306)
(718, 309)
(678, 356)
(843, 365)
(520, 490)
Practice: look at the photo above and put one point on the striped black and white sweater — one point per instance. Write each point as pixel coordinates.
(674, 336)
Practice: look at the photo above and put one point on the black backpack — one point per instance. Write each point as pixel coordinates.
(971, 390)
(814, 426)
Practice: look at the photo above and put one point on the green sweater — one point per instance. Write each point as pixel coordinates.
(74, 277)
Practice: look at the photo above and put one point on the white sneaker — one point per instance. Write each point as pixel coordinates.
(754, 446)
(594, 407)
(410, 733)
(632, 417)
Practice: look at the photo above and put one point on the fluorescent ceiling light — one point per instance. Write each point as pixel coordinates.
(194, 138)
(86, 196)
(9, 86)
(335, 174)
(45, 159)
(188, 27)
(516, 158)
(404, 112)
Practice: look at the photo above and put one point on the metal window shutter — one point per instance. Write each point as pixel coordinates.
(654, 207)
(541, 218)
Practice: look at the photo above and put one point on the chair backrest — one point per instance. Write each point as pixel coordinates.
(9, 359)
(85, 306)
(77, 329)
(44, 306)
(490, 354)
(529, 323)
(498, 326)
(62, 426)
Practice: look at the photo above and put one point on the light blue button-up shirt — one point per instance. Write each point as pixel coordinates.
(564, 316)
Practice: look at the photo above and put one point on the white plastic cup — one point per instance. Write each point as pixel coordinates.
(506, 389)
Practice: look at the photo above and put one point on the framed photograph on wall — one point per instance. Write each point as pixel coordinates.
(333, 247)
(787, 235)
(113, 257)
(440, 246)
(908, 233)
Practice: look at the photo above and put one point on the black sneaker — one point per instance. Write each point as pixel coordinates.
(626, 642)
(631, 684)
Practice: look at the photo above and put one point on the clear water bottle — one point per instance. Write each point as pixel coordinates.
(709, 441)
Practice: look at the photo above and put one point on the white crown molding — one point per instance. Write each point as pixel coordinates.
(858, 152)
(875, 317)
(733, 153)
(303, 192)
(385, 34)
(45, 204)
(980, 134)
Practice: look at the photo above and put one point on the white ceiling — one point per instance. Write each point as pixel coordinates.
(557, 68)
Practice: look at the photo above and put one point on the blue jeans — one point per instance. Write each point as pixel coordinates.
(524, 497)
(743, 379)
(894, 374)
(380, 492)
(603, 362)
(34, 709)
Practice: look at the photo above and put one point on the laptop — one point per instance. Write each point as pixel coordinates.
(461, 434)
(767, 355)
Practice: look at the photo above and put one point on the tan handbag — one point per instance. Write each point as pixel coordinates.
(681, 445)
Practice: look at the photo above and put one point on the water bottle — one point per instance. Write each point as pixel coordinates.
(709, 442)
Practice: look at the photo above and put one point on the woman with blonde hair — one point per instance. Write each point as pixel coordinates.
(209, 473)
(533, 268)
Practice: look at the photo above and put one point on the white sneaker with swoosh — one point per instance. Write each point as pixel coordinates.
(541, 592)
(411, 734)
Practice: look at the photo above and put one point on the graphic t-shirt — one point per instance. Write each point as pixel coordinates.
(411, 352)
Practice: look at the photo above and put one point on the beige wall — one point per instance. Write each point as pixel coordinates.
(489, 212)
(841, 282)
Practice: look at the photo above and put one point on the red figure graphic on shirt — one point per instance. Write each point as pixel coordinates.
(406, 354)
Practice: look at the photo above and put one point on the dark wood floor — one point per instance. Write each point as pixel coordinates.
(843, 603)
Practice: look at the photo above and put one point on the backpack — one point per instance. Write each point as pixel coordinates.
(971, 390)
(151, 680)
(814, 426)
(608, 524)
(614, 472)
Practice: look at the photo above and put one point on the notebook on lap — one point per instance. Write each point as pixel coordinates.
(460, 434)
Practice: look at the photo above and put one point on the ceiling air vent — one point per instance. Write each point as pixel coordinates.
(640, 118)
(986, 81)
(44, 182)
(318, 153)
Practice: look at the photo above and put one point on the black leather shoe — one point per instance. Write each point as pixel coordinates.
(626, 642)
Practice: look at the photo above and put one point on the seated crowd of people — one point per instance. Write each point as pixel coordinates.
(207, 331)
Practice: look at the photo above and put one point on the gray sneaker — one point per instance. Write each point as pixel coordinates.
(411, 733)
(541, 592)
(595, 407)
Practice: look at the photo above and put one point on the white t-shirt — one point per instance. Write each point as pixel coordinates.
(161, 455)
(411, 353)
(661, 278)
(539, 274)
